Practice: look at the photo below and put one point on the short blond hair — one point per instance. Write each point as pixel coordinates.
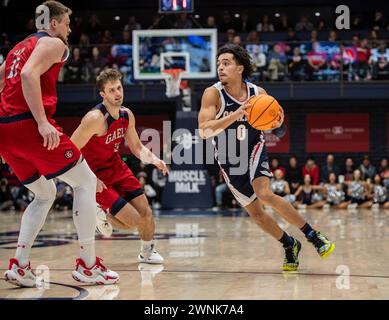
(107, 75)
(56, 9)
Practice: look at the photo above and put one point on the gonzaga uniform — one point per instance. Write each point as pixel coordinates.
(240, 136)
(21, 143)
(102, 155)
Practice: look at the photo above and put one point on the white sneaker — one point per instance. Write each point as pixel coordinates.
(352, 206)
(98, 274)
(18, 276)
(375, 206)
(102, 225)
(326, 207)
(150, 255)
(302, 206)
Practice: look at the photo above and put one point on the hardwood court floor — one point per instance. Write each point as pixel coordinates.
(213, 257)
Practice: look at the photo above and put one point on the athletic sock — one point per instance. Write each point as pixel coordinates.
(286, 240)
(307, 229)
(23, 253)
(87, 254)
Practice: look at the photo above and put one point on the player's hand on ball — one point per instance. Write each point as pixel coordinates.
(242, 110)
(100, 186)
(161, 165)
(51, 136)
(280, 121)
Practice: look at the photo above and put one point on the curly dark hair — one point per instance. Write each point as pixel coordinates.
(241, 56)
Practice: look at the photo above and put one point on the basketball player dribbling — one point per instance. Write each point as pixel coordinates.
(99, 136)
(223, 107)
(34, 147)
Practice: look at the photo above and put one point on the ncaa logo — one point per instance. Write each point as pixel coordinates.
(69, 154)
(337, 130)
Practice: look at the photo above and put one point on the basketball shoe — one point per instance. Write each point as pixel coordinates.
(102, 225)
(97, 274)
(323, 246)
(150, 255)
(20, 276)
(291, 261)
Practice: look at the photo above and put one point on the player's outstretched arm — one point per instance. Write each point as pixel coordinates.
(138, 149)
(47, 52)
(208, 125)
(92, 124)
(2, 76)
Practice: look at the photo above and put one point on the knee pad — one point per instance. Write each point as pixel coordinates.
(43, 189)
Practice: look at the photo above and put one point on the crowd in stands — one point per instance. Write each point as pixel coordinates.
(346, 186)
(304, 50)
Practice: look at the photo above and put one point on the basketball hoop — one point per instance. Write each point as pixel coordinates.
(172, 80)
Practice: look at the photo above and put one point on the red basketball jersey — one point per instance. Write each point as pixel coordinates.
(103, 151)
(12, 98)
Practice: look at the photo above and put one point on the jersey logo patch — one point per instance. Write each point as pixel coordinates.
(69, 154)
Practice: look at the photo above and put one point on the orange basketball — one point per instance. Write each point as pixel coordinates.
(263, 112)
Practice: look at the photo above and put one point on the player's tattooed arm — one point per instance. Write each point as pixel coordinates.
(92, 124)
(2, 76)
(208, 125)
(138, 149)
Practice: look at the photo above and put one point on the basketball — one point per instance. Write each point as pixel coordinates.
(263, 112)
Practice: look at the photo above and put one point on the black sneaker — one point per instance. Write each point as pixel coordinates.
(323, 246)
(291, 261)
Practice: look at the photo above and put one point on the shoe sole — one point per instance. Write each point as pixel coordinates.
(293, 268)
(328, 252)
(149, 261)
(12, 279)
(80, 278)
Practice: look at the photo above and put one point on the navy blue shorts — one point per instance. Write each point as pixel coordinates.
(241, 185)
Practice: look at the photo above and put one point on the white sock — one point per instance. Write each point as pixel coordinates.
(34, 217)
(83, 182)
(145, 245)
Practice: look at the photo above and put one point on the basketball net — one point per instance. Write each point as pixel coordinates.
(173, 81)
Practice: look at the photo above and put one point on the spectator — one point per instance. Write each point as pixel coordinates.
(231, 35)
(244, 24)
(265, 25)
(282, 23)
(220, 189)
(259, 62)
(148, 189)
(304, 24)
(23, 199)
(348, 169)
(158, 182)
(95, 64)
(296, 65)
(106, 42)
(183, 22)
(367, 169)
(227, 23)
(380, 63)
(312, 170)
(292, 39)
(277, 63)
(317, 61)
(126, 36)
(236, 40)
(332, 36)
(132, 24)
(64, 197)
(322, 25)
(275, 165)
(329, 167)
(84, 46)
(6, 199)
(211, 23)
(74, 68)
(363, 57)
(374, 39)
(252, 37)
(293, 174)
(379, 22)
(383, 171)
(93, 28)
(314, 36)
